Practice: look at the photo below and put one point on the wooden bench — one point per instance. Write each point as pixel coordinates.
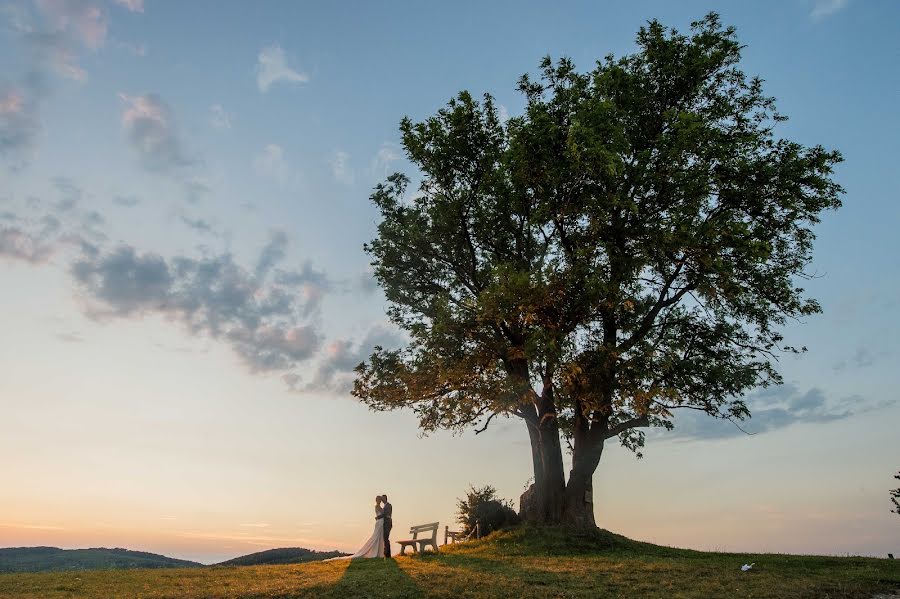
(418, 545)
(457, 536)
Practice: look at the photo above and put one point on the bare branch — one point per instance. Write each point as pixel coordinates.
(486, 423)
(639, 422)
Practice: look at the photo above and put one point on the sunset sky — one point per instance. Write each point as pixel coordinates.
(183, 202)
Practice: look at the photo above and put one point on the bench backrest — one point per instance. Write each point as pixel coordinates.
(421, 528)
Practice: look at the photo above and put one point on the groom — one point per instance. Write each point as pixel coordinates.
(388, 524)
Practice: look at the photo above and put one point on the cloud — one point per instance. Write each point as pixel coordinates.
(219, 117)
(272, 253)
(825, 8)
(341, 169)
(340, 357)
(131, 5)
(366, 282)
(272, 67)
(150, 125)
(198, 224)
(861, 358)
(261, 319)
(128, 201)
(57, 50)
(71, 194)
(503, 113)
(84, 20)
(20, 245)
(270, 163)
(386, 155)
(19, 122)
(53, 34)
(139, 50)
(44, 228)
(772, 409)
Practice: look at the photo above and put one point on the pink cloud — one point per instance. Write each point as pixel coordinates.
(83, 19)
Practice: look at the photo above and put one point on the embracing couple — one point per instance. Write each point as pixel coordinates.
(379, 544)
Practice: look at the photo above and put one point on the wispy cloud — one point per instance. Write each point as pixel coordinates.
(128, 201)
(386, 155)
(19, 122)
(131, 5)
(219, 117)
(335, 370)
(20, 245)
(861, 358)
(199, 225)
(825, 8)
(272, 67)
(772, 409)
(84, 20)
(150, 125)
(341, 169)
(31, 526)
(271, 163)
(53, 33)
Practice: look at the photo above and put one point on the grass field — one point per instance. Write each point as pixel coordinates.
(521, 563)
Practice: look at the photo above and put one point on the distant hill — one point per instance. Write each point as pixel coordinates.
(287, 555)
(53, 559)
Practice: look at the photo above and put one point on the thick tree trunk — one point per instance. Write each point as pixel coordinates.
(544, 502)
(579, 511)
(550, 500)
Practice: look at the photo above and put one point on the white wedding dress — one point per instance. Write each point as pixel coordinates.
(374, 547)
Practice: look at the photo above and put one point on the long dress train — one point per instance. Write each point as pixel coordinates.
(374, 547)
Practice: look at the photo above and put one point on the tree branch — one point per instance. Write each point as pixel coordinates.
(639, 422)
(486, 423)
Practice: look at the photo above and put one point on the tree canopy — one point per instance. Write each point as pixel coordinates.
(629, 246)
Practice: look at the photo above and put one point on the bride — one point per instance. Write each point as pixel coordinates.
(374, 547)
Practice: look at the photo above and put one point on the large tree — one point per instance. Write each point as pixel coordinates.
(628, 247)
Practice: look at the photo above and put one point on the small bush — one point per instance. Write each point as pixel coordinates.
(482, 505)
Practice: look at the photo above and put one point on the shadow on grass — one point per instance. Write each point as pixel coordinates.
(374, 577)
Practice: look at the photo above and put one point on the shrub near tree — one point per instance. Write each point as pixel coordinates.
(483, 506)
(627, 248)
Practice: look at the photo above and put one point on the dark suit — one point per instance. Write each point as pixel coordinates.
(388, 524)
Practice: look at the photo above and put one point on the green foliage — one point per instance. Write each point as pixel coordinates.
(895, 496)
(483, 506)
(629, 245)
(49, 559)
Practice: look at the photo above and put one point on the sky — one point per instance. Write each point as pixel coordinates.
(184, 196)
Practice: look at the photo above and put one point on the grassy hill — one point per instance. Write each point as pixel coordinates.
(287, 555)
(524, 563)
(48, 559)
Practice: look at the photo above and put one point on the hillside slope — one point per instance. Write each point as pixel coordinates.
(286, 555)
(53, 559)
(525, 564)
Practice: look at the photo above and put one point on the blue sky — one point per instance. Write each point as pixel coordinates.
(183, 205)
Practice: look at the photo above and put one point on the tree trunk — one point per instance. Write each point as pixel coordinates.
(544, 502)
(579, 510)
(550, 500)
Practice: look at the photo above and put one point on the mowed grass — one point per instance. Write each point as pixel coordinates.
(521, 563)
